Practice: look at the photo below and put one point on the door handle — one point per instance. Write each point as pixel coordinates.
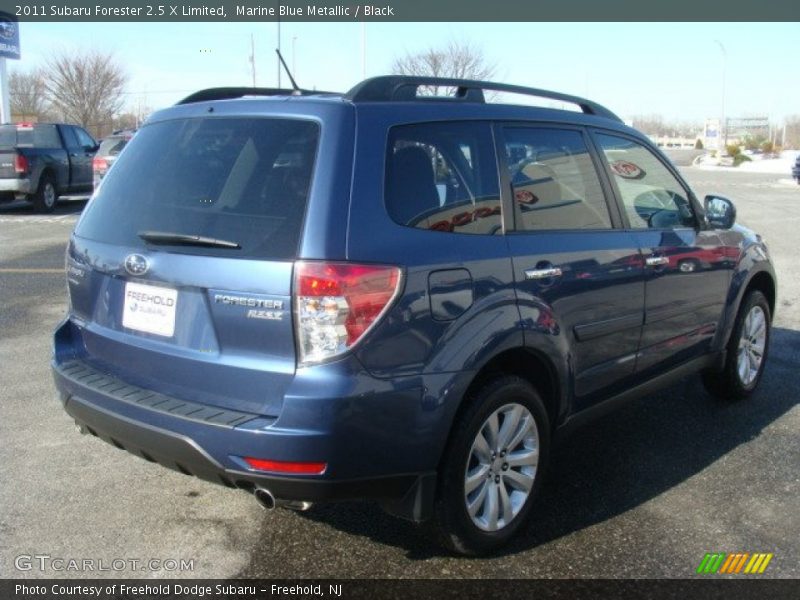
(543, 273)
(656, 261)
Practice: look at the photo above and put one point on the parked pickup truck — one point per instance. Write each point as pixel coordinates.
(42, 161)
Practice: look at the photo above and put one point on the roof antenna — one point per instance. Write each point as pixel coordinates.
(295, 89)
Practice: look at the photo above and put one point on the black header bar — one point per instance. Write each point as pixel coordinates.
(402, 10)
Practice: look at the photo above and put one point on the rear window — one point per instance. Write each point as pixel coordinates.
(241, 180)
(112, 146)
(39, 136)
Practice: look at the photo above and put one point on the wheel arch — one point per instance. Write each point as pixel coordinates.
(765, 283)
(527, 363)
(46, 171)
(762, 280)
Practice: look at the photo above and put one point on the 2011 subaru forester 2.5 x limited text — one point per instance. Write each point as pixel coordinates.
(391, 296)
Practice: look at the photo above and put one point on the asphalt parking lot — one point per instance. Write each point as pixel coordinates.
(645, 492)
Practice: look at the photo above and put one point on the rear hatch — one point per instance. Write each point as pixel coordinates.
(180, 268)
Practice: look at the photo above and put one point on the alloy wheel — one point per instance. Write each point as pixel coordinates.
(751, 345)
(501, 467)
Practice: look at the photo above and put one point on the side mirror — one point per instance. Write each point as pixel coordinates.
(720, 212)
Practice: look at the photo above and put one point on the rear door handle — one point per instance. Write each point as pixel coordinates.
(543, 273)
(656, 261)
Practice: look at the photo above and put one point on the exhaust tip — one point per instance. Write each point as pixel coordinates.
(265, 498)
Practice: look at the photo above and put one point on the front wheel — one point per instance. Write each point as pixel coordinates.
(492, 468)
(746, 352)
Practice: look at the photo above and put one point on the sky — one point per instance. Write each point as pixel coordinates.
(675, 70)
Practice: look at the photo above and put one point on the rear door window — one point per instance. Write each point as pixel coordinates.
(242, 180)
(46, 136)
(554, 181)
(443, 177)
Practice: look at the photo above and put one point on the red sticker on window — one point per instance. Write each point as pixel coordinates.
(525, 197)
(627, 169)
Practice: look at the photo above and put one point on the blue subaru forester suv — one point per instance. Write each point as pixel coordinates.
(391, 295)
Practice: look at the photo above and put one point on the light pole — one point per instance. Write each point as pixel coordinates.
(294, 64)
(723, 123)
(363, 49)
(279, 50)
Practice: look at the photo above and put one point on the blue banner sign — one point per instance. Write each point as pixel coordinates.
(9, 36)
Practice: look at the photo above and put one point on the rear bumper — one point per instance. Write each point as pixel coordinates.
(369, 452)
(181, 453)
(19, 186)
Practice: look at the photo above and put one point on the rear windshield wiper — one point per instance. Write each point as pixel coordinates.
(183, 239)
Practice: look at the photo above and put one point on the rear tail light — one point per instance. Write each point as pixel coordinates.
(337, 303)
(99, 164)
(21, 164)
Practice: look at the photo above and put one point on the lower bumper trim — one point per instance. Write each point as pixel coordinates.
(181, 453)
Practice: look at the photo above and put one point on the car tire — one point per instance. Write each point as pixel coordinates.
(746, 351)
(504, 479)
(46, 196)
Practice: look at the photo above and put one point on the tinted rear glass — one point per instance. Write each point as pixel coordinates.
(242, 180)
(443, 177)
(40, 136)
(112, 146)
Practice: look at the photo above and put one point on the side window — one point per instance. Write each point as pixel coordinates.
(46, 136)
(443, 177)
(651, 195)
(554, 181)
(84, 139)
(70, 139)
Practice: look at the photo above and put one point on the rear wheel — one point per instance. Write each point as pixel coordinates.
(746, 352)
(492, 468)
(44, 200)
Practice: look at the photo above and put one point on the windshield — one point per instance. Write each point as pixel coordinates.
(245, 180)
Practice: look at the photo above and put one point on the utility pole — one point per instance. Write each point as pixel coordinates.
(5, 104)
(294, 64)
(363, 49)
(724, 121)
(278, 60)
(10, 49)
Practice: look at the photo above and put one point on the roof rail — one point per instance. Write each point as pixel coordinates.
(227, 93)
(404, 88)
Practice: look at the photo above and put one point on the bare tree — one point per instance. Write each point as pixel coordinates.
(86, 88)
(459, 60)
(27, 94)
(657, 126)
